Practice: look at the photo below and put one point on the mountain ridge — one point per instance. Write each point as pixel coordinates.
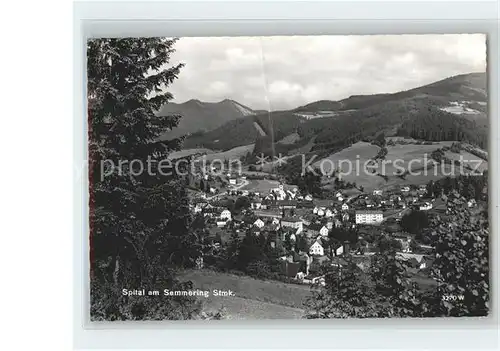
(456, 104)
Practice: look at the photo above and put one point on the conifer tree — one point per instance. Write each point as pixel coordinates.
(139, 215)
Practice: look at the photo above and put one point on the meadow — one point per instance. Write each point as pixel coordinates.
(254, 298)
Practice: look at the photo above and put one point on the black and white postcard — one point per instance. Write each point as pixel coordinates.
(288, 177)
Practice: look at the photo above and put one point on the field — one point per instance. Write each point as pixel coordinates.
(289, 139)
(187, 152)
(261, 186)
(255, 299)
(409, 156)
(350, 162)
(233, 154)
(469, 159)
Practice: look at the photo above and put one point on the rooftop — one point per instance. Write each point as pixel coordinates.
(291, 219)
(368, 212)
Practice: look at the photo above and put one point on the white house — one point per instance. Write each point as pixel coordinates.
(377, 192)
(256, 204)
(471, 203)
(232, 181)
(323, 231)
(425, 206)
(345, 207)
(345, 217)
(259, 223)
(221, 223)
(405, 189)
(308, 197)
(339, 251)
(369, 217)
(418, 259)
(315, 210)
(316, 249)
(329, 213)
(321, 212)
(225, 214)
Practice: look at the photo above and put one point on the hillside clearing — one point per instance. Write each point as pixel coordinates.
(416, 157)
(230, 155)
(188, 152)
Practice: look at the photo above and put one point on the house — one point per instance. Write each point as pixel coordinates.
(316, 229)
(345, 207)
(425, 206)
(329, 225)
(221, 223)
(336, 222)
(471, 203)
(405, 189)
(321, 211)
(405, 243)
(211, 213)
(308, 197)
(225, 214)
(292, 222)
(377, 192)
(256, 204)
(369, 217)
(415, 260)
(287, 204)
(233, 181)
(329, 213)
(345, 217)
(316, 249)
(259, 223)
(339, 250)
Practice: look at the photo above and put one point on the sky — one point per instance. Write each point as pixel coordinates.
(283, 72)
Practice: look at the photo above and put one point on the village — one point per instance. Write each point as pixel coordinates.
(314, 232)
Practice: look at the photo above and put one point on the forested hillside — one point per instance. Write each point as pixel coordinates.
(420, 113)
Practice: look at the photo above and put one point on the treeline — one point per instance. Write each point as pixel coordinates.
(470, 187)
(437, 125)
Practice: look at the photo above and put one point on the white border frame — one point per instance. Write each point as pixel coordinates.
(279, 18)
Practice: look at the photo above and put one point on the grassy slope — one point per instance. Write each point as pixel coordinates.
(254, 298)
(403, 153)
